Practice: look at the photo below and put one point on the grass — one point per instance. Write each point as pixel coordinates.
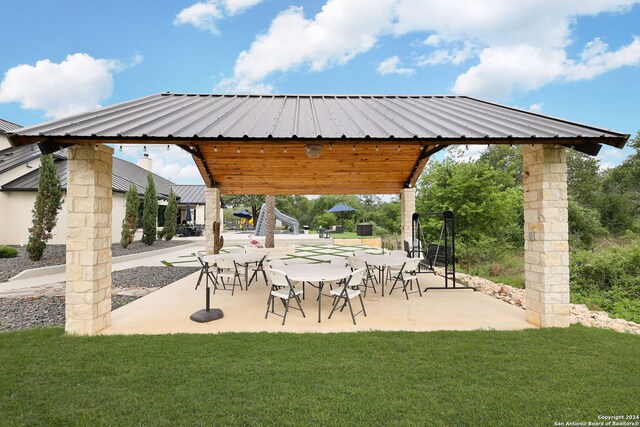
(531, 378)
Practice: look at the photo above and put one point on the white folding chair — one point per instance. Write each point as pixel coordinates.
(227, 269)
(407, 274)
(259, 268)
(283, 289)
(356, 263)
(391, 270)
(347, 292)
(206, 269)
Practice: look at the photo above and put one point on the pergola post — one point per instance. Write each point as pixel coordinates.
(89, 204)
(407, 209)
(211, 213)
(546, 235)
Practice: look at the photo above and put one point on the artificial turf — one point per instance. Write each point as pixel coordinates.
(524, 378)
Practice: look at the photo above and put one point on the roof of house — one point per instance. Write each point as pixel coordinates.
(124, 174)
(193, 194)
(7, 126)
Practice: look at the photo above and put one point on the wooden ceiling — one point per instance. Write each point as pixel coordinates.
(284, 167)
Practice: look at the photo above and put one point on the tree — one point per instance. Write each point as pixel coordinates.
(170, 214)
(149, 213)
(505, 159)
(583, 178)
(270, 221)
(488, 215)
(45, 209)
(255, 202)
(130, 220)
(619, 201)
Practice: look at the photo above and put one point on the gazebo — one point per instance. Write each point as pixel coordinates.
(311, 144)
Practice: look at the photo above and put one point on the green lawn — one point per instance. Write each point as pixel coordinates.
(525, 378)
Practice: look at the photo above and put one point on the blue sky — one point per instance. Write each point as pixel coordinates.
(575, 59)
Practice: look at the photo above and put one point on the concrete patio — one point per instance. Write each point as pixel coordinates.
(167, 311)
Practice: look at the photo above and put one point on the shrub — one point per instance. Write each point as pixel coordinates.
(8, 252)
(149, 213)
(170, 215)
(130, 220)
(45, 209)
(609, 279)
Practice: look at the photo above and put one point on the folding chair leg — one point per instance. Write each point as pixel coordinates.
(351, 311)
(199, 278)
(362, 304)
(286, 310)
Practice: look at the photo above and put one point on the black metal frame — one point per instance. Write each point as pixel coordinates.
(449, 257)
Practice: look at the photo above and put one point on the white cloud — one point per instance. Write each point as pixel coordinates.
(78, 83)
(339, 32)
(203, 15)
(536, 108)
(499, 34)
(455, 55)
(597, 59)
(503, 70)
(174, 164)
(390, 66)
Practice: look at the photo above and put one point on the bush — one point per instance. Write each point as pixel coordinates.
(149, 213)
(608, 279)
(8, 252)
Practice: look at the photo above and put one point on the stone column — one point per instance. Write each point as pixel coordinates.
(89, 204)
(546, 236)
(407, 209)
(211, 213)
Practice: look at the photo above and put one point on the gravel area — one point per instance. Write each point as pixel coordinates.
(57, 255)
(39, 311)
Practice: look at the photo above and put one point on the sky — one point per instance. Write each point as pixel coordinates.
(574, 59)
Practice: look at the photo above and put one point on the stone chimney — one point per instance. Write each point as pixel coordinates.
(145, 162)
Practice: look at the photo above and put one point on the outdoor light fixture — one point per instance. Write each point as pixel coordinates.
(168, 148)
(330, 146)
(238, 150)
(144, 148)
(285, 149)
(313, 150)
(215, 149)
(353, 147)
(376, 148)
(121, 148)
(261, 150)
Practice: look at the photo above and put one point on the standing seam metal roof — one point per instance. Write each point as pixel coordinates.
(124, 174)
(419, 117)
(7, 126)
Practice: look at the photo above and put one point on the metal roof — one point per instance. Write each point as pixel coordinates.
(124, 174)
(423, 117)
(15, 156)
(259, 144)
(7, 126)
(193, 194)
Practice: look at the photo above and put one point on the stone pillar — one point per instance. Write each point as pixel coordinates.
(89, 204)
(407, 209)
(211, 213)
(546, 236)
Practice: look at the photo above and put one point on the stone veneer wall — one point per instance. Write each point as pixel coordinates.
(546, 233)
(407, 209)
(211, 213)
(89, 204)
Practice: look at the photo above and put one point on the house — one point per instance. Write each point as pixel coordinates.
(20, 172)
